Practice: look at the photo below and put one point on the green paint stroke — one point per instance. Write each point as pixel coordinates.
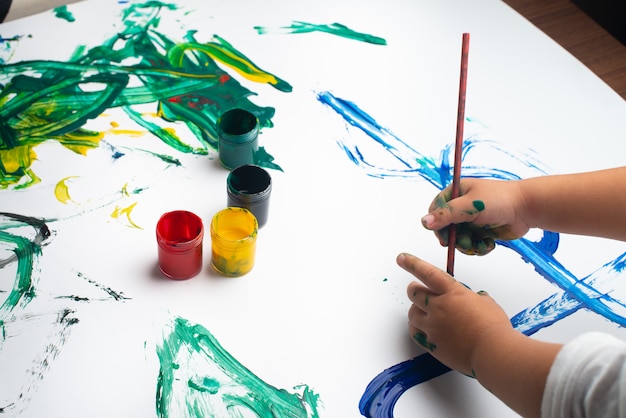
(198, 378)
(421, 339)
(334, 29)
(63, 13)
(25, 251)
(44, 101)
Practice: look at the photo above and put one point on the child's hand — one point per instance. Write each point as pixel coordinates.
(449, 319)
(486, 210)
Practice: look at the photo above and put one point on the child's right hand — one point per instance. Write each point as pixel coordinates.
(486, 210)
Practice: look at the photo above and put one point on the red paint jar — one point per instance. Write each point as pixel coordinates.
(179, 237)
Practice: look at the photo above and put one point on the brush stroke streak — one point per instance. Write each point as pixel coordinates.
(591, 292)
(198, 377)
(26, 251)
(22, 239)
(59, 330)
(336, 29)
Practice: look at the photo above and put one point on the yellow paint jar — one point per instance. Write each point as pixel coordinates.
(233, 241)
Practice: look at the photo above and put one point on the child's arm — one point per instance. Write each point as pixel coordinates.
(592, 203)
(470, 333)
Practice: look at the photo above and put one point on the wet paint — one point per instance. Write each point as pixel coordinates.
(126, 213)
(382, 393)
(179, 239)
(62, 12)
(233, 241)
(53, 100)
(61, 190)
(25, 252)
(199, 378)
(593, 292)
(22, 242)
(336, 29)
(59, 326)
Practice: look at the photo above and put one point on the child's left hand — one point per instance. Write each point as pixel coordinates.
(449, 319)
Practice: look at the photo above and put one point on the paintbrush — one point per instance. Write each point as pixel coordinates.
(458, 149)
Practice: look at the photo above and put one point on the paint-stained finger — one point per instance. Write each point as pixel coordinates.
(419, 295)
(437, 280)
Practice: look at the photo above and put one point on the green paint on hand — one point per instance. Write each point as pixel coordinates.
(421, 339)
(479, 205)
(440, 201)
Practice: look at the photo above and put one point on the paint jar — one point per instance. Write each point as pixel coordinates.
(179, 237)
(249, 186)
(238, 132)
(233, 241)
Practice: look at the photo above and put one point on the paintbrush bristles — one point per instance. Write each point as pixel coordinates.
(458, 148)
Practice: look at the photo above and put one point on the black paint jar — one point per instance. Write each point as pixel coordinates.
(249, 186)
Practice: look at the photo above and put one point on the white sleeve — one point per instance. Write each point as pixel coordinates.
(587, 379)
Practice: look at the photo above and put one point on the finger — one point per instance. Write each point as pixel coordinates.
(436, 280)
(416, 316)
(474, 240)
(419, 295)
(471, 239)
(443, 212)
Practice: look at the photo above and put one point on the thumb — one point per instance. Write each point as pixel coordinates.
(456, 211)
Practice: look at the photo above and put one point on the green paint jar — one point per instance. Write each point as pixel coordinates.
(238, 142)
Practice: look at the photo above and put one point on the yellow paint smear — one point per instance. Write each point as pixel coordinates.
(118, 212)
(61, 190)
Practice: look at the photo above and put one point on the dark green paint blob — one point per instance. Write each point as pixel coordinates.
(421, 339)
(205, 384)
(479, 205)
(63, 13)
(199, 378)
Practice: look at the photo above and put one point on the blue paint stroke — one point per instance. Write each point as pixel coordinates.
(592, 292)
(382, 393)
